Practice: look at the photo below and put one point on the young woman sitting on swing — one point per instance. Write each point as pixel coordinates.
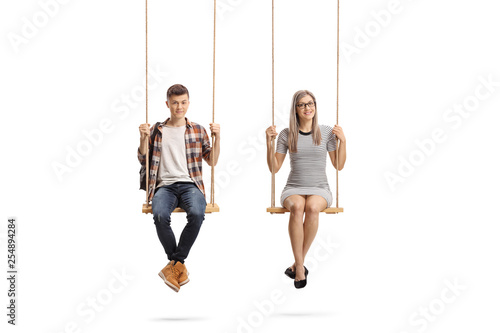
(307, 191)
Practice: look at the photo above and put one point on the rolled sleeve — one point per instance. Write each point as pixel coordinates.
(206, 148)
(141, 157)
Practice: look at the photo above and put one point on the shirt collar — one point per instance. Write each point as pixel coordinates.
(188, 123)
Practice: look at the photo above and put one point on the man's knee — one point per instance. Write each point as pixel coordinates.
(196, 210)
(161, 216)
(196, 215)
(163, 204)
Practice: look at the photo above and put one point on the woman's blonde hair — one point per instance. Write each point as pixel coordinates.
(293, 130)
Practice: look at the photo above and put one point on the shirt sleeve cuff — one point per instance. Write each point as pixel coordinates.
(141, 157)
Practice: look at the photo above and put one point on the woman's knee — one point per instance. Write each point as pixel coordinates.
(313, 208)
(296, 208)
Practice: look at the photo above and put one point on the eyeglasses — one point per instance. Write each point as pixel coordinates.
(303, 105)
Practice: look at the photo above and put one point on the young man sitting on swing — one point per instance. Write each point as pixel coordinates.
(177, 148)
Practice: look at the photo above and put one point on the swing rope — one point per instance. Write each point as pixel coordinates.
(273, 178)
(338, 67)
(147, 105)
(274, 209)
(212, 207)
(212, 187)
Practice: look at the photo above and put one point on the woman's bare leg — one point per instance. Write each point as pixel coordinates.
(314, 205)
(296, 205)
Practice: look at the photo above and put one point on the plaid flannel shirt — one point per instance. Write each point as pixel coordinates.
(197, 148)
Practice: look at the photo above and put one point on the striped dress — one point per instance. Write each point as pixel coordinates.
(308, 164)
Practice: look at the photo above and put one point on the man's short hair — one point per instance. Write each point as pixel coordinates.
(177, 90)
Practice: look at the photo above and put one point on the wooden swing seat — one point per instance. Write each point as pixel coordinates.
(282, 210)
(148, 209)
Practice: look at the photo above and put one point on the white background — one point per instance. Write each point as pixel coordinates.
(373, 268)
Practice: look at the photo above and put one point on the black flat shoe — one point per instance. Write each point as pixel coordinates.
(291, 274)
(300, 284)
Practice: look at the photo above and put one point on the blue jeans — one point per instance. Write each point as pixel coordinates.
(188, 197)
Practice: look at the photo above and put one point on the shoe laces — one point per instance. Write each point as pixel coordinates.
(176, 272)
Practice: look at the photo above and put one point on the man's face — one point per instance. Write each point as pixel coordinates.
(178, 106)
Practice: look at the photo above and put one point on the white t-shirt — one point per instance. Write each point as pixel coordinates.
(173, 161)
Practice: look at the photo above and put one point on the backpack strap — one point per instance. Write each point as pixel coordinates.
(155, 133)
(151, 145)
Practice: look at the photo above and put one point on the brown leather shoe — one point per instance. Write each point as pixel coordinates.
(183, 277)
(170, 275)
